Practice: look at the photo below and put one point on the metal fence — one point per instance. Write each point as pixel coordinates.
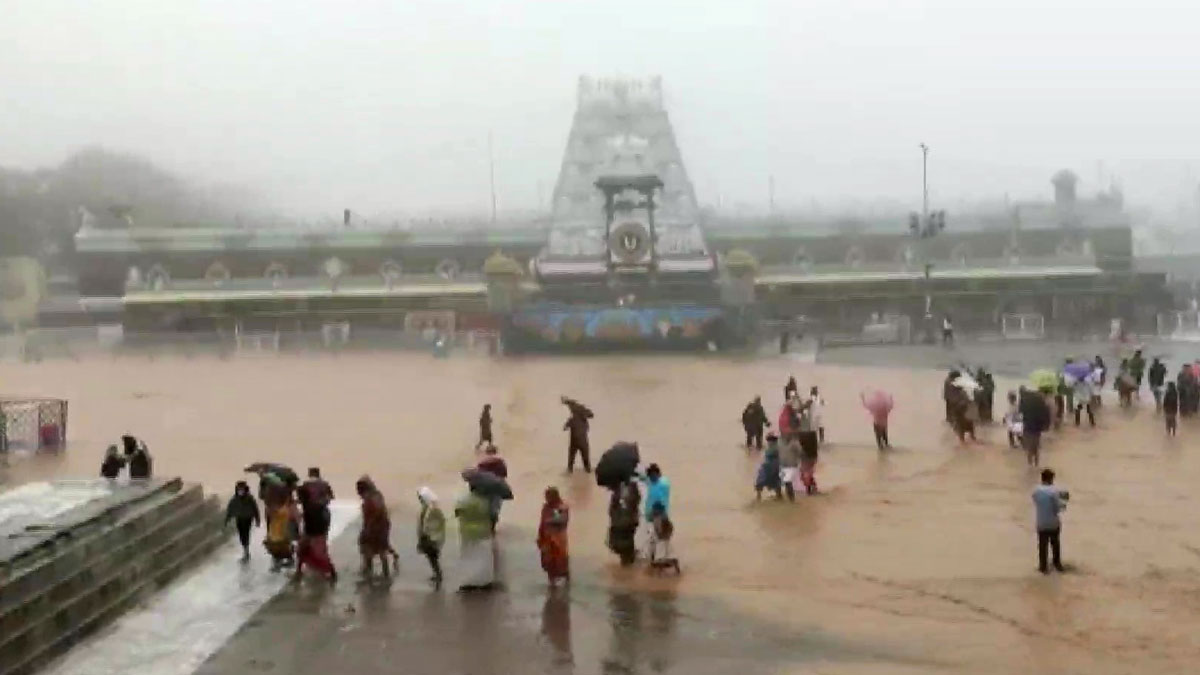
(32, 424)
(335, 337)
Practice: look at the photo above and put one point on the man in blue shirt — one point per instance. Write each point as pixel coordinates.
(1048, 502)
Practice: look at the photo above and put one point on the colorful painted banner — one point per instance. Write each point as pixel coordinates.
(568, 326)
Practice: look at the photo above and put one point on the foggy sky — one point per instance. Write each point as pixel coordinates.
(386, 105)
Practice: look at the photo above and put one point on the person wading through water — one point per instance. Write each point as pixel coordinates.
(552, 537)
(623, 518)
(1157, 377)
(1035, 420)
(1170, 408)
(754, 420)
(577, 425)
(1048, 503)
(485, 427)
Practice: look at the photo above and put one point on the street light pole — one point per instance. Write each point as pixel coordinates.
(491, 175)
(924, 184)
(921, 230)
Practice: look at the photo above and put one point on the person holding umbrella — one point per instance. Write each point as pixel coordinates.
(577, 425)
(879, 404)
(1078, 375)
(616, 471)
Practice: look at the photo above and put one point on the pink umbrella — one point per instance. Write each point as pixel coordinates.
(879, 404)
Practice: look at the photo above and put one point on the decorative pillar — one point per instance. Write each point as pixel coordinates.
(503, 276)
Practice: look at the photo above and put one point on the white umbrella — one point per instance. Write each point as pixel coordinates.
(966, 383)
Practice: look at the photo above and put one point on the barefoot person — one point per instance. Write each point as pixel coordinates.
(431, 532)
(552, 537)
(373, 538)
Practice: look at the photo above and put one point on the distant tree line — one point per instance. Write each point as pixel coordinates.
(41, 210)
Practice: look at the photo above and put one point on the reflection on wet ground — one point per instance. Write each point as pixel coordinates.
(526, 628)
(920, 559)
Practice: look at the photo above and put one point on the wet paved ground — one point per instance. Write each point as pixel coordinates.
(918, 560)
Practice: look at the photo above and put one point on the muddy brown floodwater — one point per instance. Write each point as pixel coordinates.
(928, 549)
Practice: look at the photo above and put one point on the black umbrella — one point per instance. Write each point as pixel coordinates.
(617, 464)
(487, 484)
(284, 472)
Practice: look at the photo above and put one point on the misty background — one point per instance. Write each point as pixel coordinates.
(303, 108)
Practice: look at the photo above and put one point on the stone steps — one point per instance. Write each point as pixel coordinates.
(97, 568)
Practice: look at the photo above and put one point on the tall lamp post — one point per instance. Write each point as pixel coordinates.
(923, 226)
(924, 182)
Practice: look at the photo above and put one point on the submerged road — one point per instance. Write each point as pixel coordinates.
(916, 560)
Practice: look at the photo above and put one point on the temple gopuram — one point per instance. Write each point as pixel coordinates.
(627, 258)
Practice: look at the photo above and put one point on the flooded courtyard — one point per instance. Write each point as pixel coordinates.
(916, 560)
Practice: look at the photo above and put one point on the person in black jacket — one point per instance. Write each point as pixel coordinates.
(111, 467)
(754, 420)
(1170, 407)
(140, 463)
(243, 511)
(578, 426)
(1035, 416)
(1156, 376)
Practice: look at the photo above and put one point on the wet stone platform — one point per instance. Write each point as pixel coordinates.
(405, 625)
(35, 513)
